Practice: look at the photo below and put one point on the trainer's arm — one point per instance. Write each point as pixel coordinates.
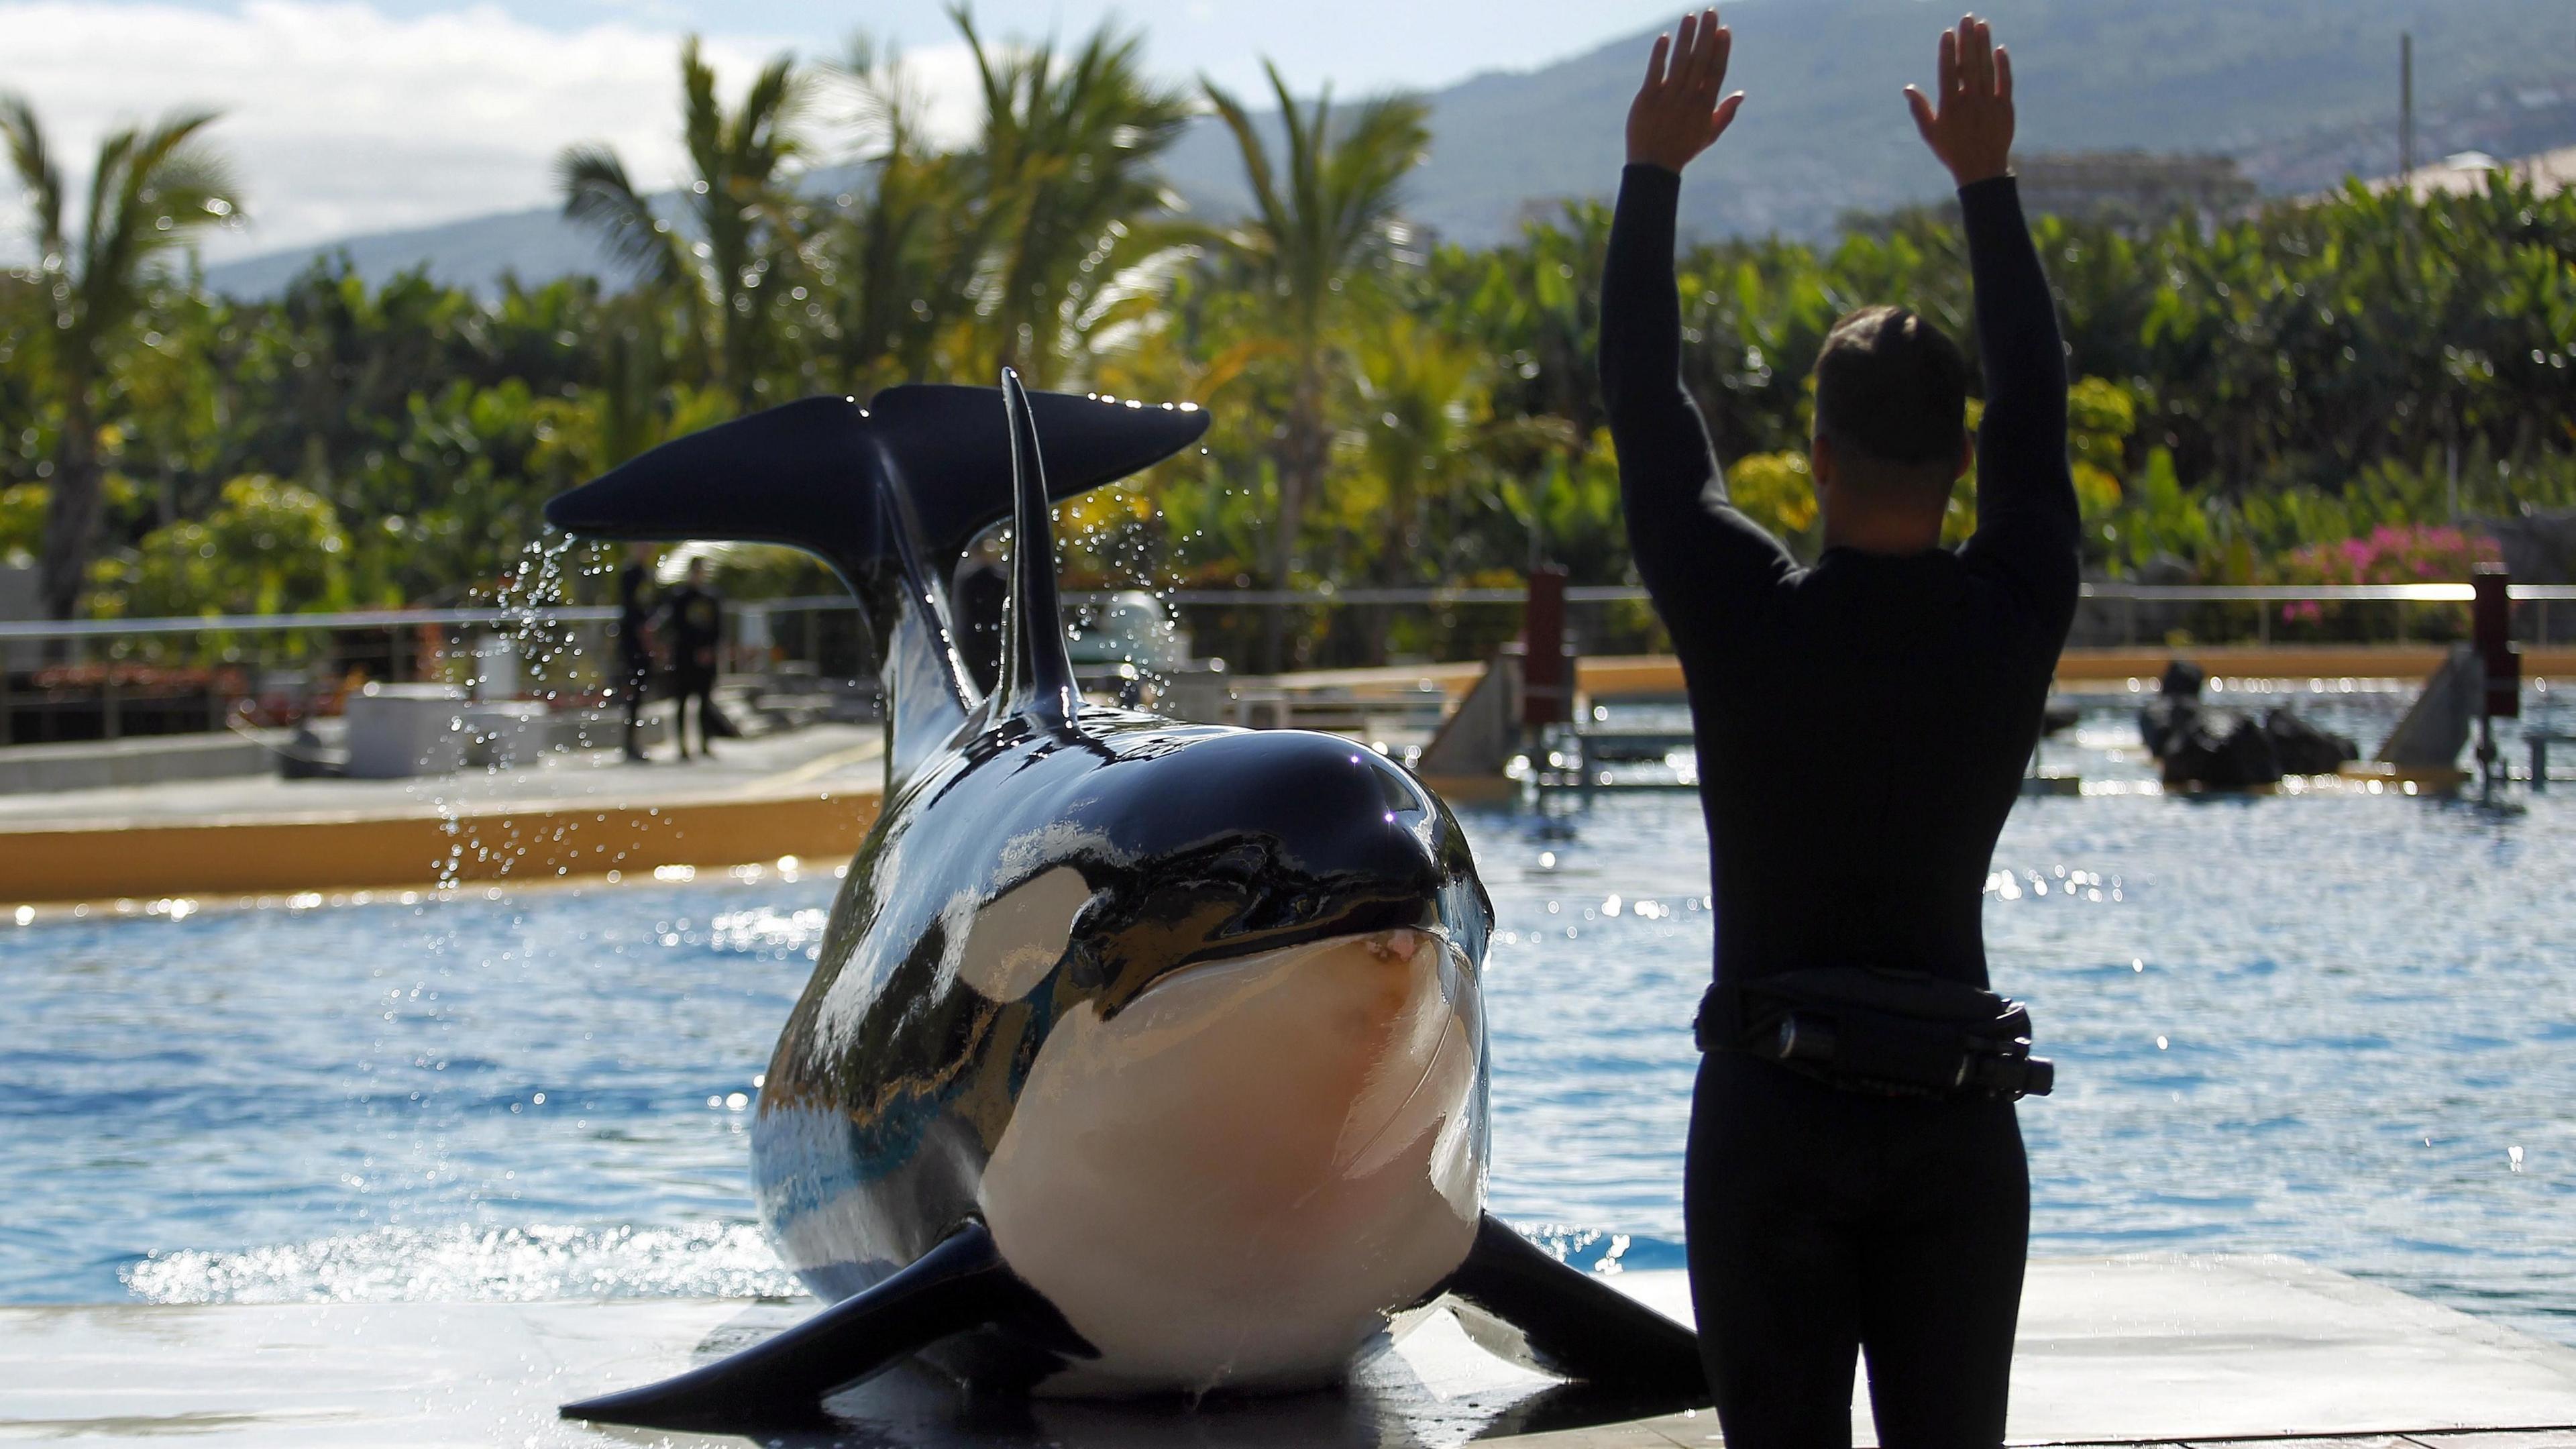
(1694, 550)
(2027, 521)
(2028, 528)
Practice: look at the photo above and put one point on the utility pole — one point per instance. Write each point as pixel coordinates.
(2406, 112)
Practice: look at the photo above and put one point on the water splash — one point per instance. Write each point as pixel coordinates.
(523, 1264)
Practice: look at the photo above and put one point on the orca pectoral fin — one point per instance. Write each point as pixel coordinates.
(1520, 1304)
(961, 1284)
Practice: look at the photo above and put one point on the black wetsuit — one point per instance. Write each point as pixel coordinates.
(634, 652)
(1862, 728)
(697, 628)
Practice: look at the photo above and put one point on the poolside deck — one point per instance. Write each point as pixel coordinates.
(811, 793)
(2153, 1350)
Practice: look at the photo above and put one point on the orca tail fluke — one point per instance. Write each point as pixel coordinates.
(844, 482)
(961, 1284)
(1520, 1304)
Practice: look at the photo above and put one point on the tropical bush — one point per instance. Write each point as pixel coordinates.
(2392, 553)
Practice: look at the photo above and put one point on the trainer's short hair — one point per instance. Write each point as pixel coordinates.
(1892, 387)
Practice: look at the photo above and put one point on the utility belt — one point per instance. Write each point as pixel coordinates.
(1878, 1032)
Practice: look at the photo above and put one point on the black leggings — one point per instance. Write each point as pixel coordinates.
(699, 685)
(1826, 1223)
(635, 686)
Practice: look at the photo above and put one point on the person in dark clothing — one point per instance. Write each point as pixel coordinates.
(634, 678)
(696, 619)
(1862, 725)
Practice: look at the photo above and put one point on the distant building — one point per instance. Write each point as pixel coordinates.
(2132, 186)
(2465, 172)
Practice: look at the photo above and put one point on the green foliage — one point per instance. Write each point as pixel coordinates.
(22, 523)
(1777, 491)
(265, 548)
(1382, 412)
(152, 190)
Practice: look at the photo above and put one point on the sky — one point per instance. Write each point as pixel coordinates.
(344, 117)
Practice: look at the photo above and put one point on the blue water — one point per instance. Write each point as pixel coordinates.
(2338, 1026)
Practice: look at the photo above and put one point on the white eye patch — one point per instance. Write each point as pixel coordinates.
(1018, 937)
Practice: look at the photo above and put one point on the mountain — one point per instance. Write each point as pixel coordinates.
(2300, 91)
(474, 253)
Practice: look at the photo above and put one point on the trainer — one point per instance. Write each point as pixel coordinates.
(1862, 726)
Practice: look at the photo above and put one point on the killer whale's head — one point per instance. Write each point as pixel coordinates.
(1199, 846)
(1255, 1056)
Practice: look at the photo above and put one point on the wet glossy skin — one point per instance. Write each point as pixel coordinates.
(1185, 1020)
(1030, 878)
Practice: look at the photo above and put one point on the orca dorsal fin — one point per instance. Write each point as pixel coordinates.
(1037, 669)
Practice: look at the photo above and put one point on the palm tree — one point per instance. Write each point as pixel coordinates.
(740, 205)
(890, 268)
(151, 191)
(1066, 169)
(1313, 248)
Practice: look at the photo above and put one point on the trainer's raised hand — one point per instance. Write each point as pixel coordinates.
(1971, 129)
(1677, 113)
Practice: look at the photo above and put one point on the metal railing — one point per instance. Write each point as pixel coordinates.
(2131, 600)
(252, 651)
(2134, 596)
(1321, 598)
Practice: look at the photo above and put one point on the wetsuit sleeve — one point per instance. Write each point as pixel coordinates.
(1703, 561)
(2028, 529)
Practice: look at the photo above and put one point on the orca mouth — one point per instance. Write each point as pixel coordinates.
(1391, 945)
(1125, 965)
(1360, 916)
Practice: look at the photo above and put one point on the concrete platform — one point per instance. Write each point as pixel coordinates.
(140, 760)
(809, 793)
(2161, 1350)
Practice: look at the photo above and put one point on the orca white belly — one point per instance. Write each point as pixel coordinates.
(1234, 1179)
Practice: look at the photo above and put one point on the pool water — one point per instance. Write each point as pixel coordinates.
(2334, 1025)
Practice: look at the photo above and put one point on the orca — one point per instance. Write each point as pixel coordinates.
(1140, 1057)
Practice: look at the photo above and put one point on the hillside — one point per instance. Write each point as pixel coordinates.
(1825, 132)
(2301, 91)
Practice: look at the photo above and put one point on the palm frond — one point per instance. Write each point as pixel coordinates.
(995, 78)
(599, 197)
(37, 173)
(106, 182)
(1306, 249)
(765, 130)
(886, 102)
(702, 116)
(190, 188)
(175, 186)
(1271, 216)
(1365, 174)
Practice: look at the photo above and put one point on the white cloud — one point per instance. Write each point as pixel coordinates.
(342, 120)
